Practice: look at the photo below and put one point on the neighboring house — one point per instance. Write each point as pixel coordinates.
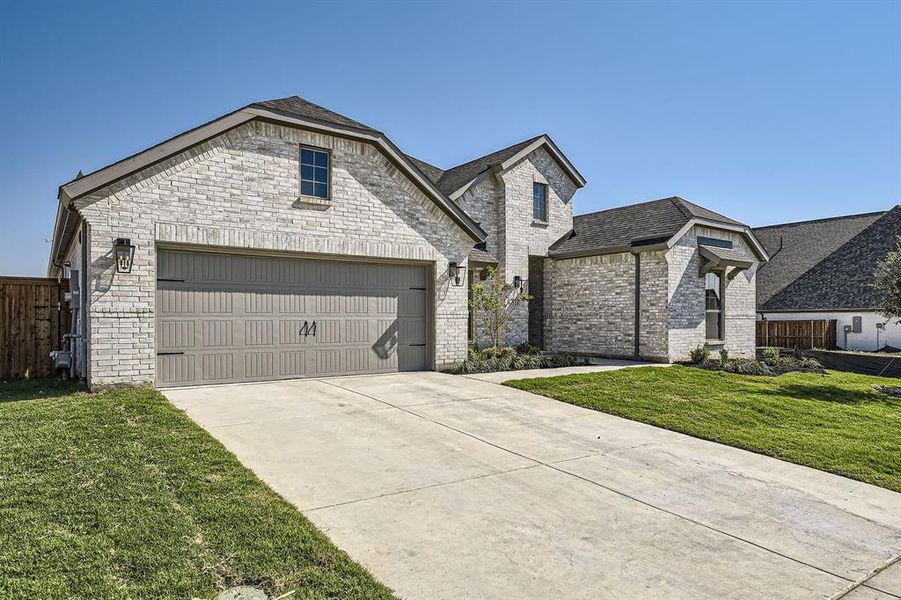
(824, 269)
(284, 240)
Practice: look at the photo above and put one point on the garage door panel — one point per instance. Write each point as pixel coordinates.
(292, 363)
(175, 265)
(411, 331)
(237, 318)
(356, 305)
(258, 302)
(176, 335)
(176, 302)
(292, 303)
(328, 303)
(412, 303)
(217, 367)
(328, 362)
(215, 301)
(260, 270)
(258, 365)
(328, 331)
(174, 369)
(357, 331)
(217, 333)
(258, 333)
(212, 268)
(386, 305)
(412, 358)
(290, 332)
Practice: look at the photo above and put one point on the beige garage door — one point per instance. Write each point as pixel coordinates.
(226, 318)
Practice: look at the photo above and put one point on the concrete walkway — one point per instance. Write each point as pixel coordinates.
(597, 365)
(450, 487)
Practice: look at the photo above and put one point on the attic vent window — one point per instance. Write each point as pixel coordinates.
(718, 243)
(315, 172)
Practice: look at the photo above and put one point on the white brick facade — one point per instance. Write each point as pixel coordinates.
(590, 303)
(240, 190)
(502, 205)
(686, 298)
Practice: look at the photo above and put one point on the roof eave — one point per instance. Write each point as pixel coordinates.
(633, 248)
(63, 229)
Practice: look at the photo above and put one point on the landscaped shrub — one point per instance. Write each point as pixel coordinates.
(747, 366)
(724, 356)
(790, 364)
(528, 348)
(503, 352)
(700, 355)
(491, 360)
(770, 355)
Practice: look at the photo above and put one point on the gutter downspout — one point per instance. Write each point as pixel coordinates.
(637, 319)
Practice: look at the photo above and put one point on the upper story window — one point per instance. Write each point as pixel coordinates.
(314, 172)
(713, 297)
(539, 201)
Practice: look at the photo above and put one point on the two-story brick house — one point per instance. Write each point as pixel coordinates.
(284, 240)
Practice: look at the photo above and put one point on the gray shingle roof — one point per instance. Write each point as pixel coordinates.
(297, 106)
(727, 256)
(456, 177)
(618, 228)
(826, 264)
(430, 171)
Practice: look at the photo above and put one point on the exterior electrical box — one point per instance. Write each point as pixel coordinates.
(856, 324)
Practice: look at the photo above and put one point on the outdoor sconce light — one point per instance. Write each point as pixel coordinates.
(517, 282)
(457, 273)
(125, 252)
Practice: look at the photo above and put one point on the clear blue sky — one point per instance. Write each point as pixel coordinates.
(767, 112)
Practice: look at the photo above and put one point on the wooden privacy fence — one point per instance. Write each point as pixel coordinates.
(33, 319)
(797, 334)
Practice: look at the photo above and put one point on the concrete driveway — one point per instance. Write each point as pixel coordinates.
(452, 487)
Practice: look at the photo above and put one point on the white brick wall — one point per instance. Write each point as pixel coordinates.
(503, 206)
(590, 303)
(240, 190)
(686, 292)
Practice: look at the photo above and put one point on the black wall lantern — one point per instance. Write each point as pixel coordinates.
(517, 282)
(457, 273)
(125, 253)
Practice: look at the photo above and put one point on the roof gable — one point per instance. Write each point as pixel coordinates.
(840, 257)
(456, 177)
(293, 112)
(456, 180)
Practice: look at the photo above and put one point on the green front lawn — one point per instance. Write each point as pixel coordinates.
(120, 495)
(837, 422)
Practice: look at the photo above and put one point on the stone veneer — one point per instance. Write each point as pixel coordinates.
(240, 190)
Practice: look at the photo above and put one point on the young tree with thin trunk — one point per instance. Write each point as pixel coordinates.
(493, 302)
(888, 281)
